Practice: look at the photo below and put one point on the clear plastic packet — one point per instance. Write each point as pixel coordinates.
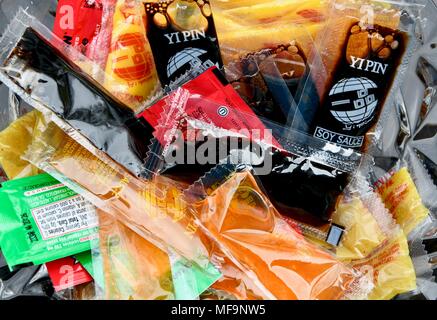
(116, 191)
(271, 77)
(136, 269)
(365, 48)
(195, 134)
(232, 16)
(133, 268)
(31, 63)
(372, 242)
(399, 194)
(98, 49)
(232, 206)
(181, 34)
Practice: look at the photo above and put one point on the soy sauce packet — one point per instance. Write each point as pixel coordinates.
(365, 49)
(181, 33)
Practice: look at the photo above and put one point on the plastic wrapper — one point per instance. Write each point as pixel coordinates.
(136, 269)
(98, 49)
(182, 34)
(42, 220)
(373, 243)
(72, 95)
(271, 77)
(401, 197)
(133, 268)
(363, 71)
(133, 201)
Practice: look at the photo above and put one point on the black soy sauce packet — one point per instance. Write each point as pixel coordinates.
(360, 85)
(49, 77)
(182, 35)
(304, 190)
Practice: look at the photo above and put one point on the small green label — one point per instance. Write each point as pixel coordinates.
(189, 279)
(41, 220)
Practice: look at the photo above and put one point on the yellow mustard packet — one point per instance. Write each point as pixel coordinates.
(400, 196)
(363, 233)
(391, 268)
(14, 141)
(370, 248)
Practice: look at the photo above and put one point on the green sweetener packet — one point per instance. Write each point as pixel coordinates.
(42, 220)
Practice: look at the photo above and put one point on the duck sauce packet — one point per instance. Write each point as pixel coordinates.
(14, 141)
(182, 34)
(40, 72)
(373, 243)
(253, 232)
(42, 220)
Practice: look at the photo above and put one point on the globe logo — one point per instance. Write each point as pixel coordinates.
(353, 100)
(183, 57)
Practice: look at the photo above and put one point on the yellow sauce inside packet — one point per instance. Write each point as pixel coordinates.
(14, 141)
(365, 246)
(400, 196)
